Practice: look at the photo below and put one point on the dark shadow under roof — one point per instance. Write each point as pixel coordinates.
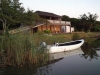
(42, 13)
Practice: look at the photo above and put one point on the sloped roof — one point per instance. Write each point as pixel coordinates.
(42, 13)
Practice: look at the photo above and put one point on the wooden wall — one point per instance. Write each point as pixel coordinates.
(52, 28)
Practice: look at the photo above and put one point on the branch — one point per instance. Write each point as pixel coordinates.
(1, 19)
(8, 25)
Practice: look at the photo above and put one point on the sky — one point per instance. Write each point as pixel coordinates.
(71, 8)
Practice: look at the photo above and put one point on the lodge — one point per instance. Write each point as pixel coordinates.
(54, 24)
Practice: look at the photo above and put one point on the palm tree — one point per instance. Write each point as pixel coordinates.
(88, 20)
(91, 19)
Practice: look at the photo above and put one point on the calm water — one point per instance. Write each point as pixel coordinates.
(83, 61)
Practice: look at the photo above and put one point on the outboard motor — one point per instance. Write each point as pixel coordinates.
(56, 44)
(43, 44)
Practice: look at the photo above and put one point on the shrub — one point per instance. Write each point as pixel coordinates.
(75, 37)
(39, 32)
(47, 31)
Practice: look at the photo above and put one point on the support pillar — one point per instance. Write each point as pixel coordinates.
(41, 27)
(65, 29)
(70, 28)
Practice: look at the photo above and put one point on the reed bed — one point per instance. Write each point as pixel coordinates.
(21, 49)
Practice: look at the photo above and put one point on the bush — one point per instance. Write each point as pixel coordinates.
(39, 32)
(47, 31)
(75, 37)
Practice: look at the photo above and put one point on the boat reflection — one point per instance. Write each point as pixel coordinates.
(56, 57)
(66, 54)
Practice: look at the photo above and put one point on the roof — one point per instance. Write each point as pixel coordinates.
(42, 13)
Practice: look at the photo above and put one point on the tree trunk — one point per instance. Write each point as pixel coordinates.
(5, 27)
(90, 27)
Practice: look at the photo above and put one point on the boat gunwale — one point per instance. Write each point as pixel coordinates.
(70, 43)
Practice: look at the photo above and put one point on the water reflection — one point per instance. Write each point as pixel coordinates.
(44, 70)
(30, 70)
(66, 54)
(89, 52)
(68, 60)
(25, 70)
(56, 57)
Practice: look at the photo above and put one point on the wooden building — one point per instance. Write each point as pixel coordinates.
(55, 24)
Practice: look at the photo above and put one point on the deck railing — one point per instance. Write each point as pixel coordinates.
(60, 22)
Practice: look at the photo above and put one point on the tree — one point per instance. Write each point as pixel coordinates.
(32, 18)
(83, 21)
(91, 19)
(10, 13)
(65, 18)
(88, 20)
(29, 19)
(75, 24)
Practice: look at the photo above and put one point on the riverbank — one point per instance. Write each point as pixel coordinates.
(20, 49)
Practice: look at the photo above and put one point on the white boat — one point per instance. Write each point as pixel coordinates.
(67, 46)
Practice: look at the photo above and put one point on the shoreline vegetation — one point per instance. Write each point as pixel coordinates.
(21, 49)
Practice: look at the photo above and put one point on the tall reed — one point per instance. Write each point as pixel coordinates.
(21, 49)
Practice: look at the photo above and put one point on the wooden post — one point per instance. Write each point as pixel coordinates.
(60, 28)
(53, 28)
(50, 28)
(46, 25)
(41, 27)
(70, 28)
(65, 29)
(50, 18)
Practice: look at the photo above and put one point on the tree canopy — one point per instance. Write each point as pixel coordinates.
(85, 22)
(88, 20)
(10, 13)
(65, 18)
(13, 14)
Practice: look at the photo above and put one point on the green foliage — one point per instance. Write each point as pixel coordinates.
(87, 21)
(65, 18)
(76, 24)
(84, 22)
(39, 32)
(47, 31)
(75, 36)
(96, 28)
(11, 13)
(29, 17)
(96, 43)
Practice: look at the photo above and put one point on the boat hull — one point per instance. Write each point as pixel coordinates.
(54, 48)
